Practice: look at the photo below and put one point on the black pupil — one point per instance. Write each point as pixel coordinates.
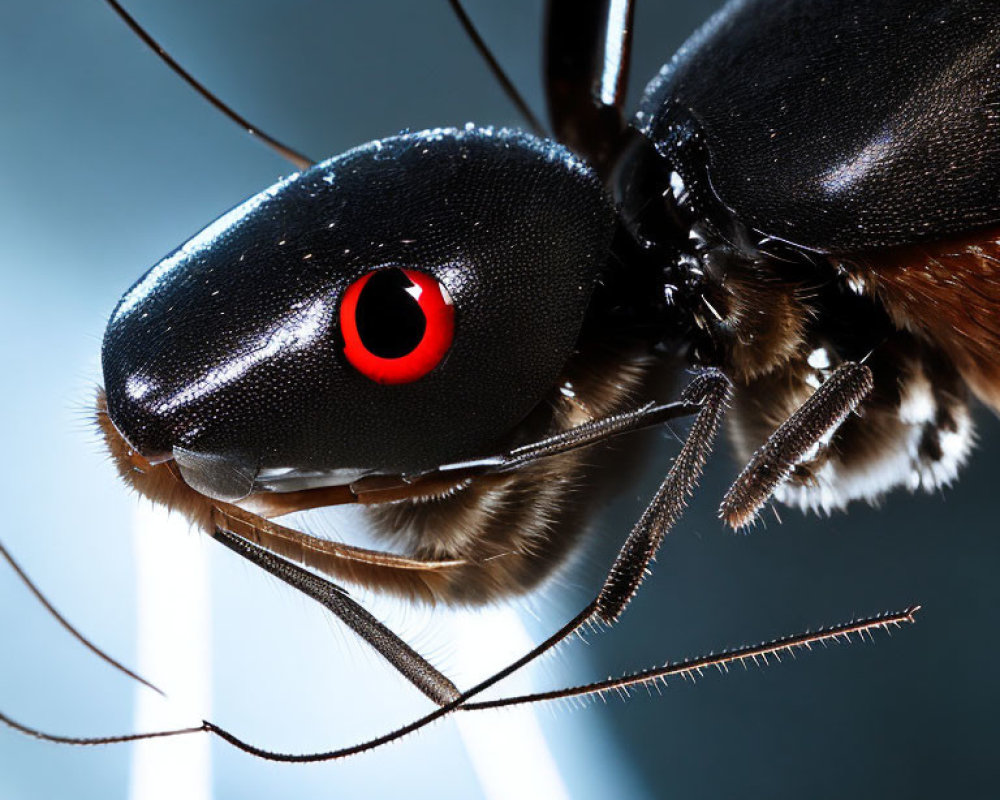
(390, 321)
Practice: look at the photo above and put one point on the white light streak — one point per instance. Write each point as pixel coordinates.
(856, 168)
(507, 749)
(173, 652)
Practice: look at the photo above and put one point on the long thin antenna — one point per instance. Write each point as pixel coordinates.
(93, 648)
(94, 741)
(296, 158)
(509, 89)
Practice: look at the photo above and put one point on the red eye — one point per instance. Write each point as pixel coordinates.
(397, 324)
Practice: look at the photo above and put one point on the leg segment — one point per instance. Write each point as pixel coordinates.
(409, 663)
(652, 677)
(692, 668)
(816, 420)
(93, 648)
(587, 52)
(711, 390)
(598, 430)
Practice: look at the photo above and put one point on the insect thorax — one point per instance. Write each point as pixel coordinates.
(778, 320)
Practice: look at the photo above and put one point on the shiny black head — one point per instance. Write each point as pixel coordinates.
(400, 306)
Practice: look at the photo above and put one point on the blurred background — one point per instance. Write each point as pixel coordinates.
(108, 162)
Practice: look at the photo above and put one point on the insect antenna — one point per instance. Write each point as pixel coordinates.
(94, 741)
(506, 84)
(299, 160)
(93, 648)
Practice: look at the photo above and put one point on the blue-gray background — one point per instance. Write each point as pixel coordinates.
(109, 161)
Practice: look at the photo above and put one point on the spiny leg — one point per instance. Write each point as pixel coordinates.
(815, 420)
(694, 667)
(584, 435)
(712, 389)
(410, 664)
(375, 489)
(85, 741)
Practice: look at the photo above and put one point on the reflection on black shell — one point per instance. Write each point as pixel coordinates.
(825, 120)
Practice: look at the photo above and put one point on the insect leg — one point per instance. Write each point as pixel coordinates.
(410, 664)
(587, 51)
(598, 430)
(406, 575)
(815, 420)
(709, 392)
(693, 668)
(712, 389)
(35, 733)
(687, 669)
(387, 488)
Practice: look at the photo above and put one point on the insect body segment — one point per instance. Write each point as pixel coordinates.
(843, 125)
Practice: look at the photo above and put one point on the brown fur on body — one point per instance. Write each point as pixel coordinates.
(155, 483)
(926, 320)
(756, 320)
(947, 293)
(516, 530)
(914, 430)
